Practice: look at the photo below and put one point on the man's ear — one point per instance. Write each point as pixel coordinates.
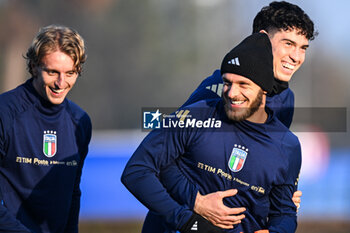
(34, 69)
(263, 31)
(265, 92)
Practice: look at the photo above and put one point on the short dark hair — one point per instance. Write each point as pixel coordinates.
(284, 16)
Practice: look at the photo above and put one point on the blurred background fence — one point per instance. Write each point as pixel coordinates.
(155, 53)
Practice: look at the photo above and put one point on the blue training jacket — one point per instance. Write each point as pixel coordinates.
(282, 104)
(42, 151)
(266, 177)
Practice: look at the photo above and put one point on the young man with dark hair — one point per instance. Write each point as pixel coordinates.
(44, 138)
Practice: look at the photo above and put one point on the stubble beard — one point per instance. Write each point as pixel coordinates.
(243, 113)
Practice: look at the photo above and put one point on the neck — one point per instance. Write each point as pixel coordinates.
(36, 86)
(260, 116)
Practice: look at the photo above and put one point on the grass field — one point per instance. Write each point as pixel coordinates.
(135, 227)
(110, 227)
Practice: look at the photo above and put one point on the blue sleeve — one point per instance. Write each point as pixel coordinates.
(141, 175)
(83, 141)
(172, 178)
(8, 222)
(283, 215)
(178, 186)
(210, 88)
(282, 105)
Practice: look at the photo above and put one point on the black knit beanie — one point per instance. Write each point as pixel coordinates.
(253, 59)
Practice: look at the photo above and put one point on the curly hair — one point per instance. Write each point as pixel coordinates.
(284, 16)
(56, 38)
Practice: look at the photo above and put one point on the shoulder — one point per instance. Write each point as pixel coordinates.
(82, 122)
(13, 102)
(282, 105)
(287, 94)
(196, 117)
(210, 88)
(215, 78)
(77, 112)
(79, 116)
(290, 140)
(291, 149)
(9, 97)
(285, 98)
(203, 107)
(282, 135)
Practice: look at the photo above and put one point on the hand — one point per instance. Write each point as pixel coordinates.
(212, 208)
(297, 198)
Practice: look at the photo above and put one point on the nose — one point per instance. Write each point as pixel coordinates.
(233, 91)
(60, 80)
(295, 55)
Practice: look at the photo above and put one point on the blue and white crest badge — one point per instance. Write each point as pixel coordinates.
(238, 156)
(49, 143)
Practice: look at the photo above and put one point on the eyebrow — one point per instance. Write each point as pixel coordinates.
(294, 43)
(48, 69)
(54, 70)
(225, 79)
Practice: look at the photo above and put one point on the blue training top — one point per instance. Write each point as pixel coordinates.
(42, 151)
(262, 161)
(282, 104)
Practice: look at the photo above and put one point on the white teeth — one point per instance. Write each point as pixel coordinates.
(288, 66)
(58, 91)
(237, 102)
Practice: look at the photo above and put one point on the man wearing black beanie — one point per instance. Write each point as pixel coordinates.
(248, 150)
(289, 29)
(251, 59)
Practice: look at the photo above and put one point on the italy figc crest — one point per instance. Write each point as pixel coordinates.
(238, 156)
(50, 143)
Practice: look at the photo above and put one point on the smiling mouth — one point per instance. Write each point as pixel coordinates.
(237, 102)
(57, 91)
(288, 66)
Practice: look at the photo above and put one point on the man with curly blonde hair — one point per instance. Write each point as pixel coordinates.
(44, 138)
